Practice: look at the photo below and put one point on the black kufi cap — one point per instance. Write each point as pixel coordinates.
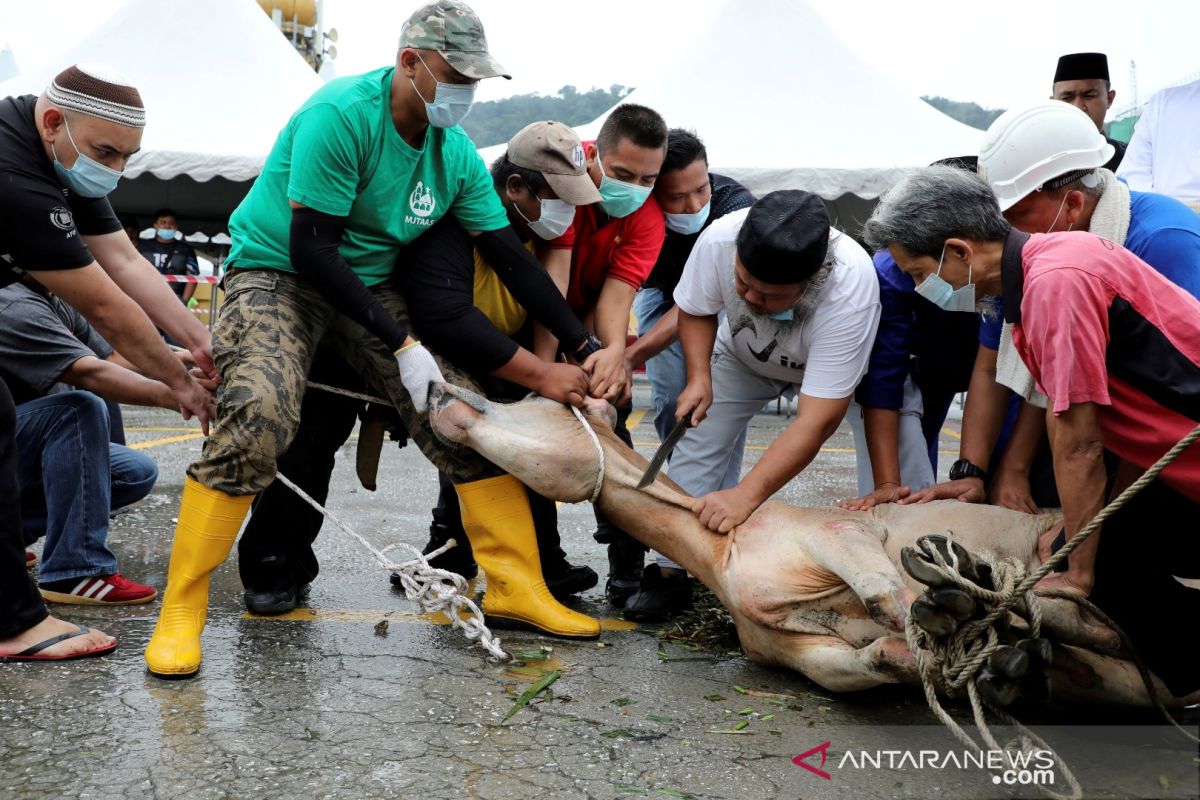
(785, 237)
(1082, 67)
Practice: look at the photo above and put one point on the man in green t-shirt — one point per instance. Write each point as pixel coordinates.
(364, 167)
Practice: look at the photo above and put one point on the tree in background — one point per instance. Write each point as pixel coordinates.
(496, 121)
(971, 114)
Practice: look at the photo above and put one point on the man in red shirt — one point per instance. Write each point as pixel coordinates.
(616, 246)
(1115, 346)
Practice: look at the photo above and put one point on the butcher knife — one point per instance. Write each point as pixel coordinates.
(663, 451)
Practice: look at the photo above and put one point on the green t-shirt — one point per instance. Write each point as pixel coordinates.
(340, 154)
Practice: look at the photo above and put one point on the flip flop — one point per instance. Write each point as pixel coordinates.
(31, 653)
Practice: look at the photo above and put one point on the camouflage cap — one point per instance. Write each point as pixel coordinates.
(452, 29)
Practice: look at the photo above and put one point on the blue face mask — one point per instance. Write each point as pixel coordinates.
(618, 198)
(688, 224)
(943, 295)
(782, 316)
(165, 233)
(451, 101)
(88, 178)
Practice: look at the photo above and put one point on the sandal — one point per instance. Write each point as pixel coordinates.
(31, 653)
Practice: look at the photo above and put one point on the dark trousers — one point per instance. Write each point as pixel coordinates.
(275, 550)
(1142, 547)
(21, 605)
(607, 531)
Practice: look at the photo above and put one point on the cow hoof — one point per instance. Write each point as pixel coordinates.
(954, 602)
(1009, 661)
(931, 618)
(996, 690)
(917, 565)
(1039, 650)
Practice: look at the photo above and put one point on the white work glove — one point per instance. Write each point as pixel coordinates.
(417, 371)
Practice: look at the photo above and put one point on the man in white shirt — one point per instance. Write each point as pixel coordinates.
(1164, 153)
(801, 305)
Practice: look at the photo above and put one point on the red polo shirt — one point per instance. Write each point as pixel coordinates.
(624, 249)
(1096, 324)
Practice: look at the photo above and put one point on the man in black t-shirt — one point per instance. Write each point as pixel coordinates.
(61, 154)
(169, 254)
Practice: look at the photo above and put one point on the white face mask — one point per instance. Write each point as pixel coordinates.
(555, 218)
(451, 101)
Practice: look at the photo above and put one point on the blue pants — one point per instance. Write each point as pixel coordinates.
(71, 479)
(666, 370)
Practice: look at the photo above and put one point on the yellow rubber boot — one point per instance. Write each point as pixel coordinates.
(209, 521)
(496, 516)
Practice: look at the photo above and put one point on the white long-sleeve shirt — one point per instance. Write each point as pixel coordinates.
(1164, 152)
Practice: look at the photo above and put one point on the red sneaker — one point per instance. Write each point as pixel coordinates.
(31, 559)
(102, 590)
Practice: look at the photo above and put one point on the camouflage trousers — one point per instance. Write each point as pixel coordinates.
(263, 345)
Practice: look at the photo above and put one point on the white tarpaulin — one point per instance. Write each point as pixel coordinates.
(218, 79)
(782, 102)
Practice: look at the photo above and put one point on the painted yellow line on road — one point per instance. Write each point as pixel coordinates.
(954, 434)
(193, 430)
(635, 419)
(165, 440)
(392, 615)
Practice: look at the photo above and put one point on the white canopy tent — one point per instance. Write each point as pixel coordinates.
(782, 102)
(219, 82)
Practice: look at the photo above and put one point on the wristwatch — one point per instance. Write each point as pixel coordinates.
(589, 346)
(965, 469)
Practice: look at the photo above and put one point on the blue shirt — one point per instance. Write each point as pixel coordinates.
(943, 342)
(1163, 232)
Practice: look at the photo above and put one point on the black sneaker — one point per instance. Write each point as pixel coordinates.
(564, 579)
(271, 602)
(625, 559)
(660, 596)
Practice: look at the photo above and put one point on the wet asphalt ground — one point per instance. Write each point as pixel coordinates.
(325, 702)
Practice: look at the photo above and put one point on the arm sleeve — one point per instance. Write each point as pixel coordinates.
(634, 257)
(1064, 324)
(887, 369)
(324, 161)
(1137, 165)
(530, 285)
(990, 326)
(438, 279)
(314, 252)
(36, 346)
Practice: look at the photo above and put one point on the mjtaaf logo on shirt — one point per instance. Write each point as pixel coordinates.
(421, 200)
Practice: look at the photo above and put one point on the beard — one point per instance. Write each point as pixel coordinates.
(742, 316)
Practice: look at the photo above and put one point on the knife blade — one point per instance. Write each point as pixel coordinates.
(664, 450)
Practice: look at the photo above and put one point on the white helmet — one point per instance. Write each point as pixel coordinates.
(1027, 147)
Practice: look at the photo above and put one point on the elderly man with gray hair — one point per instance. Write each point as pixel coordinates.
(1115, 347)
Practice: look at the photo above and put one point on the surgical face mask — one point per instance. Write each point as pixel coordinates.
(1061, 206)
(451, 101)
(783, 316)
(943, 295)
(165, 233)
(618, 198)
(555, 218)
(687, 224)
(88, 178)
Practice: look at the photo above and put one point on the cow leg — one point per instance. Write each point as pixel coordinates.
(853, 550)
(839, 667)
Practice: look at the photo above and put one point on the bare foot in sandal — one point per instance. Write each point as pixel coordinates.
(68, 641)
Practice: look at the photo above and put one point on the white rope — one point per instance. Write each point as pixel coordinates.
(366, 398)
(599, 453)
(435, 589)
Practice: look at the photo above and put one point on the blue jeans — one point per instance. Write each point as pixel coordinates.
(666, 370)
(71, 478)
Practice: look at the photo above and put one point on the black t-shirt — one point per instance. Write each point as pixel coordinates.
(727, 195)
(170, 258)
(1120, 148)
(40, 220)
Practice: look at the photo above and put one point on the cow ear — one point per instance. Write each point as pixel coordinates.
(600, 412)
